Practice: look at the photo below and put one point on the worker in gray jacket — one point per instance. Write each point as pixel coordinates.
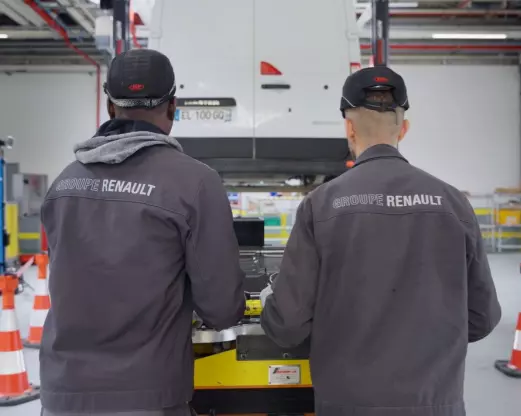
(140, 235)
(385, 270)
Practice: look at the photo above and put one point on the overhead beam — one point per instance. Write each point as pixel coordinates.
(75, 12)
(23, 9)
(34, 33)
(44, 68)
(395, 33)
(449, 1)
(426, 32)
(46, 60)
(461, 58)
(12, 14)
(83, 7)
(435, 13)
(433, 2)
(365, 17)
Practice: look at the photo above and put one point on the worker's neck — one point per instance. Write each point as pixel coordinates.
(137, 117)
(362, 146)
(147, 118)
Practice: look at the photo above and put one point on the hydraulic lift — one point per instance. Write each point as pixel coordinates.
(120, 23)
(380, 31)
(240, 370)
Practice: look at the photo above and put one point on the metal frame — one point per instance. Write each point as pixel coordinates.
(121, 26)
(380, 31)
(408, 23)
(5, 143)
(272, 166)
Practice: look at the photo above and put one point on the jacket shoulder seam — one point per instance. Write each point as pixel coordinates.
(116, 200)
(397, 213)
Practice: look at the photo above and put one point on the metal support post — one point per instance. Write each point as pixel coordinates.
(380, 31)
(4, 241)
(6, 143)
(519, 71)
(121, 26)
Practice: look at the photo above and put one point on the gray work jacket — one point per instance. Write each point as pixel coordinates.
(135, 247)
(385, 270)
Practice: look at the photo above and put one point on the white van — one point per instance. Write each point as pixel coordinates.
(259, 81)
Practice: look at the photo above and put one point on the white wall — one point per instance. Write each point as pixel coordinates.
(47, 113)
(464, 121)
(465, 124)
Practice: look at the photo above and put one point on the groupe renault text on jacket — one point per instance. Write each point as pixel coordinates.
(140, 236)
(385, 269)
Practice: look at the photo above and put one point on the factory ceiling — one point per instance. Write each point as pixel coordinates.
(62, 32)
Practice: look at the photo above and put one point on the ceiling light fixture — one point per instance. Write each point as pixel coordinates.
(474, 36)
(404, 5)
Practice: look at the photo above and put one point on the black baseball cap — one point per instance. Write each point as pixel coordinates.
(140, 78)
(377, 78)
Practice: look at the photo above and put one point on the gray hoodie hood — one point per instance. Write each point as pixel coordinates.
(112, 148)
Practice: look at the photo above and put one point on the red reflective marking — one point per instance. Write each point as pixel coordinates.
(136, 87)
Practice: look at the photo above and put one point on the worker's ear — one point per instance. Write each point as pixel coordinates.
(111, 110)
(350, 130)
(404, 129)
(171, 109)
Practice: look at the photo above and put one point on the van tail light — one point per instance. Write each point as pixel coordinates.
(268, 69)
(355, 66)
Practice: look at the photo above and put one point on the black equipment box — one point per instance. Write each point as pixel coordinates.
(249, 232)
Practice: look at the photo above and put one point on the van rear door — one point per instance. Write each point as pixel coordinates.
(210, 44)
(307, 41)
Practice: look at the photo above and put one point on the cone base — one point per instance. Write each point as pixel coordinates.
(29, 396)
(506, 369)
(28, 344)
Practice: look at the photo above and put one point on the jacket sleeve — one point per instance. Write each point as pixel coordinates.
(288, 313)
(483, 305)
(212, 257)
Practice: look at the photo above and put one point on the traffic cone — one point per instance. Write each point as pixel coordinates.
(512, 368)
(41, 305)
(14, 383)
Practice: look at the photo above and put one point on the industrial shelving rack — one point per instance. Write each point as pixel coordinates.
(484, 207)
(507, 213)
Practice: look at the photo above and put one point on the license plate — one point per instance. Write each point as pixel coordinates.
(213, 115)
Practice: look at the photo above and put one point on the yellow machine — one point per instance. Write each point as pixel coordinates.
(12, 251)
(241, 371)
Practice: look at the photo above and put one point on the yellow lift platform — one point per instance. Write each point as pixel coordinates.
(240, 371)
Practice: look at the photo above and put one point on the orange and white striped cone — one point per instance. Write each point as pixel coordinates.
(512, 368)
(14, 383)
(41, 305)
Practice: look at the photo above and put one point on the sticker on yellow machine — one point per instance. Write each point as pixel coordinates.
(280, 375)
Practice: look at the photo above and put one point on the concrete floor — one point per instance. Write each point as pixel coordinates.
(487, 391)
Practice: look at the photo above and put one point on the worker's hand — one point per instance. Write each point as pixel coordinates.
(196, 321)
(264, 294)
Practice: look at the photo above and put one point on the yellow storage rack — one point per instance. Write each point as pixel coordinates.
(507, 213)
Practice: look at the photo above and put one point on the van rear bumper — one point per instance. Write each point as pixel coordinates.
(292, 156)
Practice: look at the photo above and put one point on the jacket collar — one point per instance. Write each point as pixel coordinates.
(379, 151)
(122, 126)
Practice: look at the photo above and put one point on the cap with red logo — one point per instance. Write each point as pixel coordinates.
(377, 78)
(140, 78)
